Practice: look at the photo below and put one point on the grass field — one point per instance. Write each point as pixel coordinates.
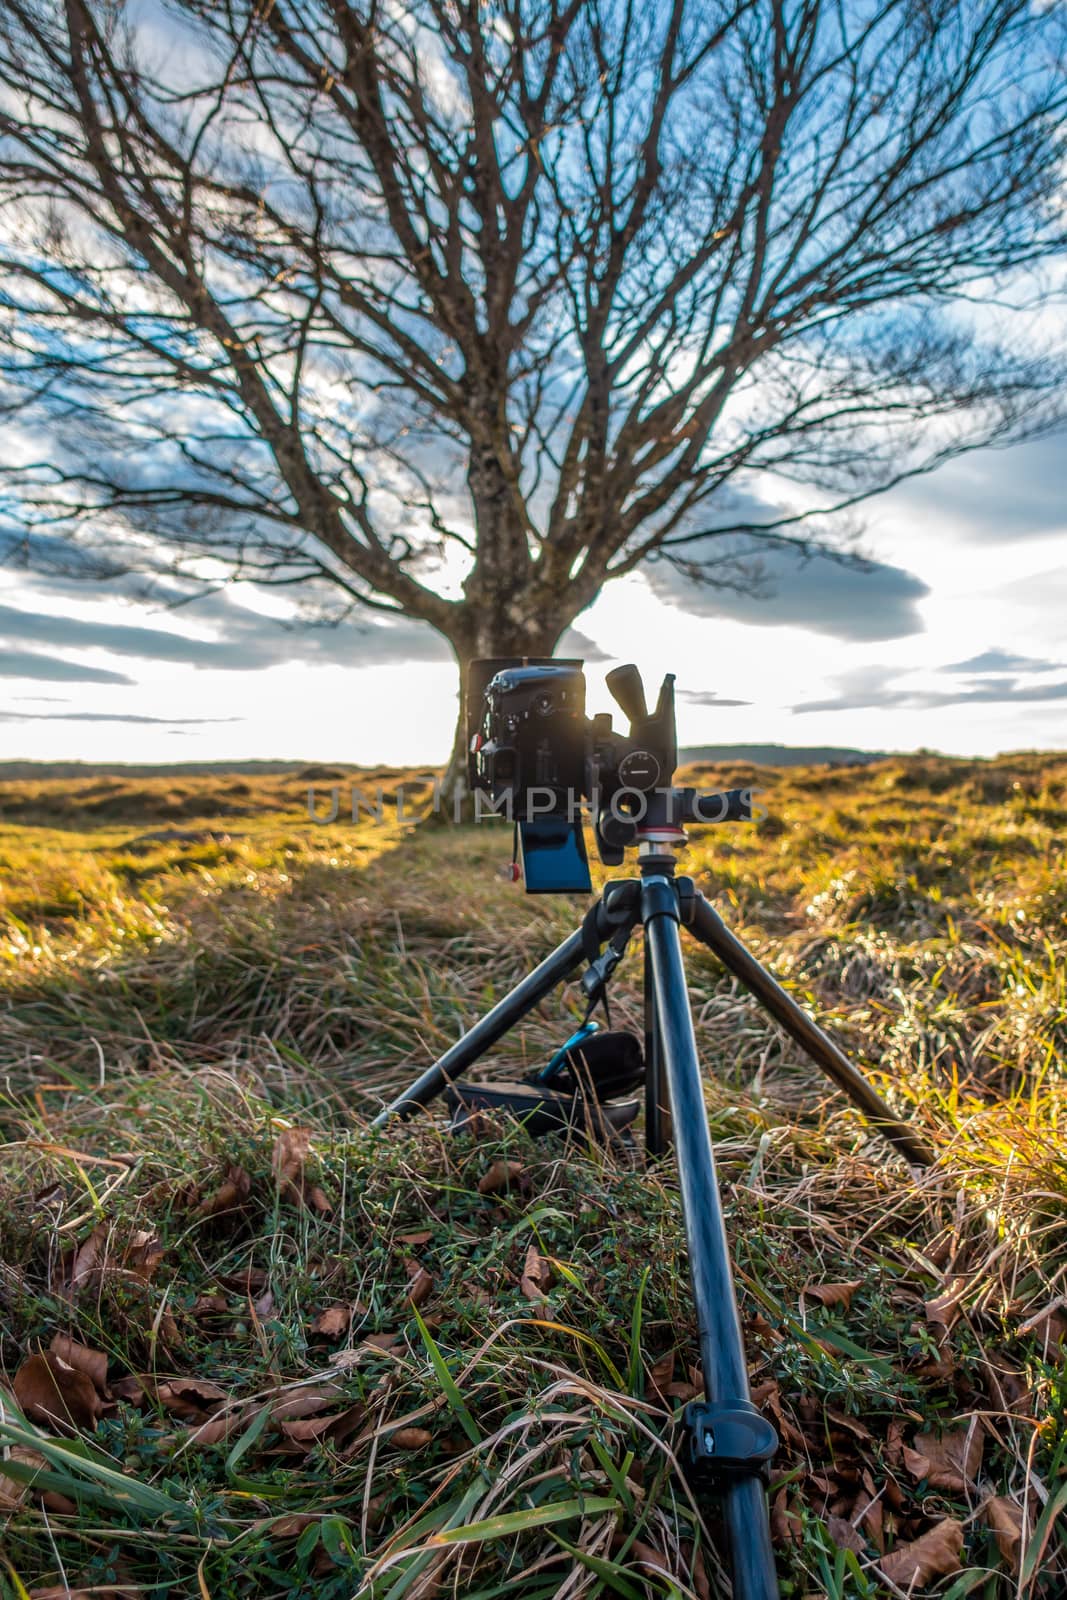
(249, 1348)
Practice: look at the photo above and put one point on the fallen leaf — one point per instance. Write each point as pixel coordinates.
(51, 1391)
(410, 1438)
(536, 1275)
(831, 1294)
(844, 1535)
(306, 1402)
(333, 1323)
(216, 1429)
(12, 1491)
(191, 1397)
(336, 1427)
(501, 1175)
(646, 1555)
(1006, 1520)
(79, 1356)
(660, 1375)
(142, 1255)
(951, 1462)
(383, 1341)
(251, 1281)
(62, 1592)
(935, 1555)
(420, 1287)
(88, 1256)
(290, 1526)
(228, 1196)
(421, 1236)
(944, 1311)
(1049, 1324)
(130, 1389)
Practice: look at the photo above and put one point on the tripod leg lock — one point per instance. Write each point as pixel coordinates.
(728, 1439)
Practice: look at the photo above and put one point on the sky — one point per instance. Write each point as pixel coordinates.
(954, 638)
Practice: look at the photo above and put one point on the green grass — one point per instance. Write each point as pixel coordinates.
(275, 1416)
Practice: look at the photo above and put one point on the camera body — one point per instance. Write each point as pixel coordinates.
(532, 733)
(533, 751)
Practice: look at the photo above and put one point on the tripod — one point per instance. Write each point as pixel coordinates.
(729, 1442)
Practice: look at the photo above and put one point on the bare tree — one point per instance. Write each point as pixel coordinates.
(461, 310)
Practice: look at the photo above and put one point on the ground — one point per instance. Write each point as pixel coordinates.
(250, 1348)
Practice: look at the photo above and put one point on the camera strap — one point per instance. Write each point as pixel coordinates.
(601, 966)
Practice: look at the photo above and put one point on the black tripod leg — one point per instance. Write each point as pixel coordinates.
(712, 931)
(504, 1015)
(722, 1351)
(657, 1131)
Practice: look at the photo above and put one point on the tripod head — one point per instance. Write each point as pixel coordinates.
(531, 746)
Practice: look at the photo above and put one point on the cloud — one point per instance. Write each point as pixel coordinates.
(708, 697)
(993, 495)
(875, 601)
(107, 716)
(870, 688)
(576, 643)
(27, 664)
(243, 641)
(994, 660)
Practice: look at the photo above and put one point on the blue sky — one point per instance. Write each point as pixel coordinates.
(955, 639)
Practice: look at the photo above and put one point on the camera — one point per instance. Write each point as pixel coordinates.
(533, 751)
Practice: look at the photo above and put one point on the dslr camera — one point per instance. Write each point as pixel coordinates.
(541, 761)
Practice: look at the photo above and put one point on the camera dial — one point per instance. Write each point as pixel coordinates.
(639, 769)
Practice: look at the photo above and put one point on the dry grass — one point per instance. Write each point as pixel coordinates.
(174, 1007)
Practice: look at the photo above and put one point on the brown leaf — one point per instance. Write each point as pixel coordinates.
(52, 1392)
(216, 1429)
(646, 1555)
(536, 1275)
(130, 1389)
(831, 1294)
(501, 1175)
(291, 1149)
(288, 1159)
(944, 1311)
(383, 1341)
(79, 1356)
(249, 1281)
(1049, 1324)
(60, 1591)
(12, 1492)
(337, 1427)
(1006, 1520)
(191, 1397)
(142, 1255)
(290, 1526)
(410, 1438)
(88, 1256)
(420, 1287)
(844, 1535)
(228, 1196)
(950, 1462)
(935, 1555)
(307, 1402)
(333, 1323)
(421, 1236)
(660, 1375)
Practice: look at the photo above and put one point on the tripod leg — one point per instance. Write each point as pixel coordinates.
(712, 931)
(504, 1015)
(721, 1348)
(657, 1119)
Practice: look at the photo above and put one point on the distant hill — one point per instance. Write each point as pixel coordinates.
(175, 769)
(781, 755)
(760, 755)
